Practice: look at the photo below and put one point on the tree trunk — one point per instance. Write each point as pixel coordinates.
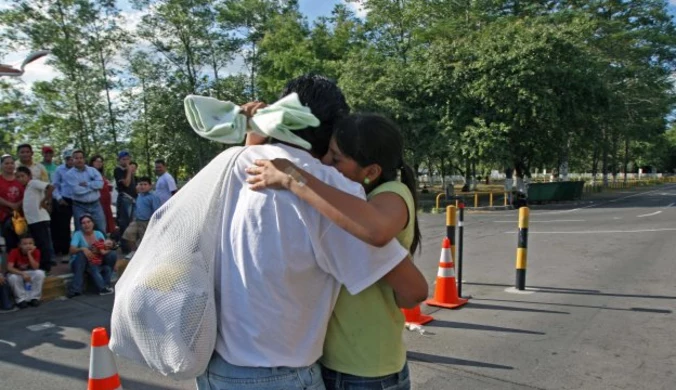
(253, 71)
(595, 163)
(146, 130)
(626, 158)
(113, 130)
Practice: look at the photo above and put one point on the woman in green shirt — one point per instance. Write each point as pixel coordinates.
(364, 348)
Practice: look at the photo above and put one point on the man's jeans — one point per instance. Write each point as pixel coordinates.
(125, 208)
(221, 375)
(94, 209)
(79, 265)
(339, 381)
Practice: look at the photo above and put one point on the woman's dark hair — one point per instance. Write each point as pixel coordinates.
(94, 158)
(373, 139)
(326, 102)
(87, 216)
(5, 157)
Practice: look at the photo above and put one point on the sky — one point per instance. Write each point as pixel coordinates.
(39, 71)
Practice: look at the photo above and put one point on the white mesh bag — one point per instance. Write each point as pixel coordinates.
(164, 315)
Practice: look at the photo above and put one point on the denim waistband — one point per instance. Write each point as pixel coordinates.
(86, 203)
(387, 380)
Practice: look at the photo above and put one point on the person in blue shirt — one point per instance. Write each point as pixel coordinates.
(62, 206)
(86, 183)
(146, 204)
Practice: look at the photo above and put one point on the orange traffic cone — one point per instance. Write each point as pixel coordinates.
(102, 369)
(446, 291)
(415, 316)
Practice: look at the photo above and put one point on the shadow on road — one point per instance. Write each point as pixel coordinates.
(81, 313)
(484, 306)
(560, 290)
(632, 309)
(464, 325)
(429, 358)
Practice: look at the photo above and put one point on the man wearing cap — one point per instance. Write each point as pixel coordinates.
(38, 171)
(62, 211)
(126, 193)
(47, 161)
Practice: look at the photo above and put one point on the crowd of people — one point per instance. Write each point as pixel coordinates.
(40, 202)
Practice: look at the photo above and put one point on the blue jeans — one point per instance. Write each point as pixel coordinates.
(100, 275)
(124, 211)
(79, 264)
(94, 209)
(339, 381)
(221, 375)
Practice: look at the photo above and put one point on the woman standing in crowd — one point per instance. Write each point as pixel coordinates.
(11, 198)
(106, 194)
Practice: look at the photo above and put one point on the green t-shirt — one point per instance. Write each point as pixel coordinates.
(51, 168)
(364, 336)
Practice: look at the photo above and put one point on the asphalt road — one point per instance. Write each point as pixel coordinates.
(598, 313)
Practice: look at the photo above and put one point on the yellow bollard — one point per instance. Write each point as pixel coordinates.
(506, 199)
(450, 228)
(476, 199)
(438, 199)
(490, 199)
(456, 203)
(522, 248)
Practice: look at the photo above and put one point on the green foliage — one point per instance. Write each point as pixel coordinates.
(489, 83)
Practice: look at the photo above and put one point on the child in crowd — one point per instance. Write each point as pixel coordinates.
(100, 272)
(146, 204)
(36, 208)
(25, 276)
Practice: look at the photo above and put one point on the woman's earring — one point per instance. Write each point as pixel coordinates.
(367, 181)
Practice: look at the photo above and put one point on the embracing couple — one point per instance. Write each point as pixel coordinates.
(314, 262)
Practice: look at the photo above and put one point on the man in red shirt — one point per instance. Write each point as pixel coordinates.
(25, 275)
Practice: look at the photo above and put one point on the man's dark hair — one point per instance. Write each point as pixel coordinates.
(327, 103)
(144, 179)
(25, 170)
(18, 148)
(160, 161)
(78, 151)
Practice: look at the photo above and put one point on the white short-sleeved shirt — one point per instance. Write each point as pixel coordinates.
(282, 264)
(164, 187)
(34, 194)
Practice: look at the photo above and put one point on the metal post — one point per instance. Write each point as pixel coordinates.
(476, 199)
(438, 201)
(490, 199)
(461, 227)
(522, 248)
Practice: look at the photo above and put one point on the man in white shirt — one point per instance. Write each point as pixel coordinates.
(37, 200)
(166, 185)
(281, 264)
